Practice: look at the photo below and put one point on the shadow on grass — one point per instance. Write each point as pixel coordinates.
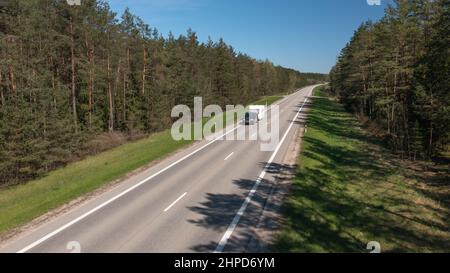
(330, 117)
(349, 191)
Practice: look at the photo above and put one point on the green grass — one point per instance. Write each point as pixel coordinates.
(268, 100)
(22, 203)
(349, 190)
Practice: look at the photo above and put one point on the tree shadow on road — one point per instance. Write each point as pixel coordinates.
(219, 210)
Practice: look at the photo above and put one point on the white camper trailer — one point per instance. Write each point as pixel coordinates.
(260, 110)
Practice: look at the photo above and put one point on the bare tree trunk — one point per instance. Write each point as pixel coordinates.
(56, 76)
(90, 88)
(110, 98)
(72, 52)
(125, 85)
(387, 112)
(144, 70)
(91, 84)
(116, 87)
(124, 97)
(12, 79)
(406, 129)
(91, 92)
(430, 143)
(371, 101)
(394, 125)
(364, 106)
(2, 97)
(128, 58)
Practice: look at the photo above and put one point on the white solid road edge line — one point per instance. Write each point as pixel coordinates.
(241, 211)
(62, 228)
(176, 201)
(228, 157)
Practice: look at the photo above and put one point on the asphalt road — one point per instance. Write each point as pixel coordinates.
(206, 198)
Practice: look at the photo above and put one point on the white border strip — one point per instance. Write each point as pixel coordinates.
(237, 217)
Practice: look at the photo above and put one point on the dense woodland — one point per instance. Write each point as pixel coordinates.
(396, 72)
(69, 74)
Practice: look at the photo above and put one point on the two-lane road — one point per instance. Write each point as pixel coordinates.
(206, 198)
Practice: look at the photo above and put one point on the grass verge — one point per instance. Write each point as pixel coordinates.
(349, 191)
(268, 100)
(21, 203)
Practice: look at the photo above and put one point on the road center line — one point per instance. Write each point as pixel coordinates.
(220, 247)
(230, 155)
(176, 201)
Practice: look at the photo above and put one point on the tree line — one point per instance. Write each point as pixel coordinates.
(69, 74)
(396, 73)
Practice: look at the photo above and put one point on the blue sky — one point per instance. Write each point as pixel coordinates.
(306, 35)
